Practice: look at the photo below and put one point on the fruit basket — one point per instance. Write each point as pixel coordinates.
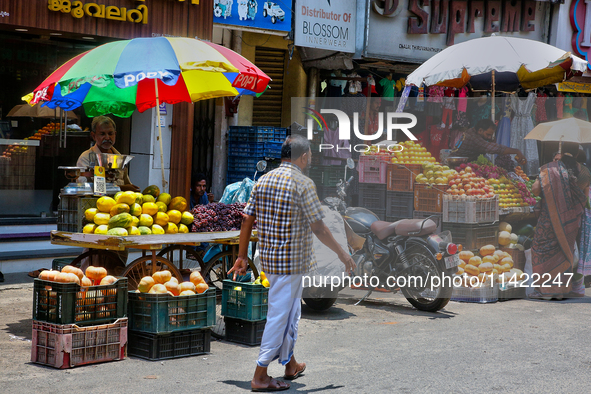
(481, 295)
(243, 331)
(172, 345)
(245, 301)
(69, 303)
(401, 178)
(163, 313)
(68, 345)
(470, 209)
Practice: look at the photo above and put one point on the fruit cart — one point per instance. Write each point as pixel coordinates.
(169, 258)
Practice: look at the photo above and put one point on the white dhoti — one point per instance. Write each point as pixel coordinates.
(283, 317)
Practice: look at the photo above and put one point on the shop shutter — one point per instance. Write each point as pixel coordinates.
(267, 109)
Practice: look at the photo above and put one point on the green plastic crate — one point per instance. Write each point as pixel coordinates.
(58, 264)
(162, 313)
(68, 303)
(244, 301)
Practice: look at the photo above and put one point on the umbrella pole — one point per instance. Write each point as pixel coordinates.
(492, 107)
(160, 136)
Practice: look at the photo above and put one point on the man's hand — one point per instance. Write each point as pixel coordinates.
(239, 267)
(130, 187)
(348, 261)
(520, 158)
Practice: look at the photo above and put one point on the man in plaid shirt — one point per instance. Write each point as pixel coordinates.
(478, 141)
(285, 204)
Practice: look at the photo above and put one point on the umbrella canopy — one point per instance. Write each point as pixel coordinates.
(118, 77)
(515, 61)
(565, 130)
(38, 111)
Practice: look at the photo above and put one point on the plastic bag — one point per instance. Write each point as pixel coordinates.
(237, 192)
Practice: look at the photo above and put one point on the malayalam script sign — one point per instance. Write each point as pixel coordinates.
(326, 24)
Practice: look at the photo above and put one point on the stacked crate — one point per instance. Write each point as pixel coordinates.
(372, 184)
(164, 326)
(244, 307)
(75, 326)
(400, 180)
(326, 178)
(473, 222)
(247, 145)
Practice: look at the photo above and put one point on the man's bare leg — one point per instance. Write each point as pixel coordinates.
(262, 380)
(293, 369)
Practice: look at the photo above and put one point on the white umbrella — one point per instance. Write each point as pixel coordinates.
(565, 130)
(498, 63)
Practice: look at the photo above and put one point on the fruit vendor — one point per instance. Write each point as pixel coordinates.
(479, 141)
(103, 133)
(198, 194)
(285, 205)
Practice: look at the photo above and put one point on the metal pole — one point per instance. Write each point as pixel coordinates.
(492, 108)
(160, 136)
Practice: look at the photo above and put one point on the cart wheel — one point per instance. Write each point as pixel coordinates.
(142, 266)
(215, 272)
(184, 257)
(101, 258)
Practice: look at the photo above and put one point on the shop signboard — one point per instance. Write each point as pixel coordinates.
(415, 30)
(326, 25)
(254, 14)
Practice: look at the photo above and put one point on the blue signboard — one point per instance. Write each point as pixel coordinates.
(267, 15)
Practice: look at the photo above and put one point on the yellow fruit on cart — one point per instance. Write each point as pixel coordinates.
(183, 229)
(187, 218)
(178, 203)
(139, 198)
(117, 231)
(165, 198)
(146, 284)
(133, 230)
(135, 209)
(152, 190)
(157, 229)
(89, 228)
(105, 203)
(161, 206)
(171, 228)
(126, 198)
(135, 221)
(265, 282)
(119, 208)
(144, 230)
(148, 198)
(89, 214)
(146, 220)
(116, 196)
(121, 220)
(149, 208)
(174, 216)
(101, 218)
(161, 219)
(102, 229)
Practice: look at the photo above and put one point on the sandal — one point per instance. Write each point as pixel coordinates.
(268, 389)
(35, 274)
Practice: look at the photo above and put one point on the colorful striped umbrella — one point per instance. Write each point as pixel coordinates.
(118, 77)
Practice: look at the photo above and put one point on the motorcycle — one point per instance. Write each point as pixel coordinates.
(404, 256)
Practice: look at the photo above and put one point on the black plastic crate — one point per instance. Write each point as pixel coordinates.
(70, 216)
(399, 205)
(159, 313)
(473, 236)
(68, 303)
(165, 346)
(381, 213)
(244, 331)
(372, 196)
(58, 264)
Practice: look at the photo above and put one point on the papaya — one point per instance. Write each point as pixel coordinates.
(121, 220)
(116, 196)
(174, 216)
(152, 190)
(183, 229)
(178, 203)
(148, 198)
(161, 206)
(105, 203)
(149, 208)
(139, 198)
(89, 228)
(118, 231)
(132, 230)
(165, 198)
(135, 209)
(144, 230)
(101, 218)
(89, 214)
(171, 228)
(146, 220)
(102, 229)
(157, 229)
(161, 219)
(128, 198)
(187, 218)
(135, 221)
(119, 208)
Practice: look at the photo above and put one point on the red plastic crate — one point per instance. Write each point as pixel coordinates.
(372, 169)
(401, 178)
(429, 197)
(69, 345)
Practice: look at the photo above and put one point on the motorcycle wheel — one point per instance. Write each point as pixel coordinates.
(319, 304)
(427, 299)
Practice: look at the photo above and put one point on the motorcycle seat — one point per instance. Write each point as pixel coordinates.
(404, 227)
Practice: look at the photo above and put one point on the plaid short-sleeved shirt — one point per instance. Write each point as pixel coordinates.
(285, 202)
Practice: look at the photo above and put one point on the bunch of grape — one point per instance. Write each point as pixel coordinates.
(217, 217)
(506, 162)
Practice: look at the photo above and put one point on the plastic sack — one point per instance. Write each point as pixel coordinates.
(237, 192)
